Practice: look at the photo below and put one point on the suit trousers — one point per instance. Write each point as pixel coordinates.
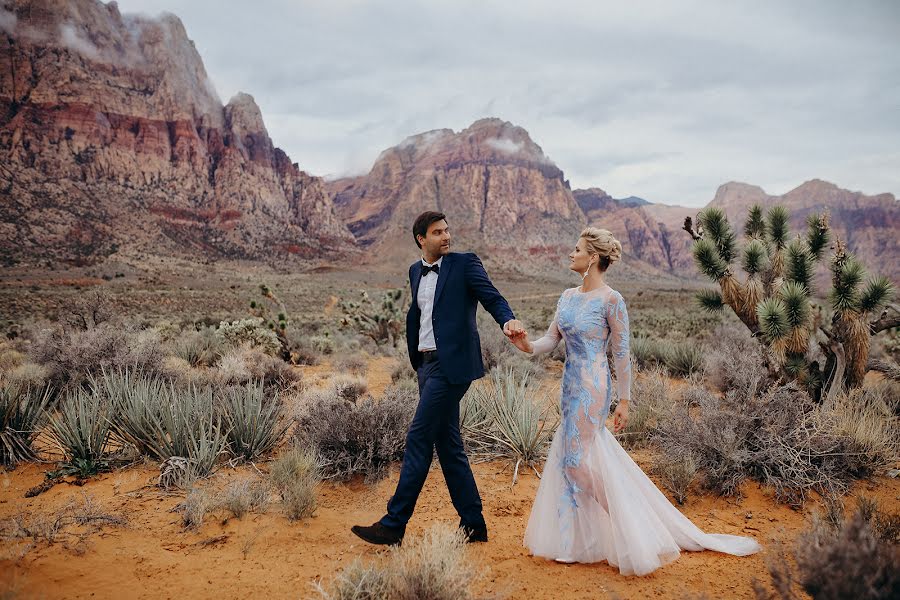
(435, 426)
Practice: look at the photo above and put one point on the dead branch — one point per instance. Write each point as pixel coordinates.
(689, 227)
(886, 320)
(890, 369)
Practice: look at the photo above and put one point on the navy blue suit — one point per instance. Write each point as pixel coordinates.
(462, 284)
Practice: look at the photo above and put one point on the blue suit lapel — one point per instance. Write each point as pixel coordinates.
(415, 279)
(443, 274)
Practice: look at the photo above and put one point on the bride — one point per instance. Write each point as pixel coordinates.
(594, 503)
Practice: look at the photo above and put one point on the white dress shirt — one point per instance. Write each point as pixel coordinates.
(425, 299)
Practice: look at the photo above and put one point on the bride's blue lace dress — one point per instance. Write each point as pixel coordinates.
(594, 503)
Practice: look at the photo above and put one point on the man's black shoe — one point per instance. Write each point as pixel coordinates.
(379, 534)
(475, 534)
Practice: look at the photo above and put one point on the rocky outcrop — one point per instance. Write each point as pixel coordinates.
(643, 237)
(502, 196)
(113, 137)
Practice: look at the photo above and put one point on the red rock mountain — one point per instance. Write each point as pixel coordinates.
(113, 137)
(660, 243)
(502, 196)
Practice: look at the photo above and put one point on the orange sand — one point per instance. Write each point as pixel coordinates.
(267, 555)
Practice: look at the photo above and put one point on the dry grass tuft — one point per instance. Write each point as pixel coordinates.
(433, 567)
(295, 474)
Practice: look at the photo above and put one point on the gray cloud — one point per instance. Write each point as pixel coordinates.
(655, 99)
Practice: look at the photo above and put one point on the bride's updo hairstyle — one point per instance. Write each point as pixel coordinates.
(601, 241)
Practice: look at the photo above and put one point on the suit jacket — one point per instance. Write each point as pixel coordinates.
(462, 284)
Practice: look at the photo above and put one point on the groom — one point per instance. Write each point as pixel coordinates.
(445, 351)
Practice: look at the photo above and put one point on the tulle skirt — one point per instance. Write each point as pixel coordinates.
(621, 517)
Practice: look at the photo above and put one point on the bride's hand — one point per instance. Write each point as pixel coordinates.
(521, 342)
(620, 417)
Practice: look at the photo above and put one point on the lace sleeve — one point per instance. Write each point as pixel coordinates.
(619, 341)
(551, 338)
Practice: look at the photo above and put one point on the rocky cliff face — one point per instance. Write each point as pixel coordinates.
(643, 236)
(113, 137)
(502, 196)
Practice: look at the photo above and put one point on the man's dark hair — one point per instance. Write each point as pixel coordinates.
(423, 222)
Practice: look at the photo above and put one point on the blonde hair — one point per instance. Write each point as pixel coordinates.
(602, 242)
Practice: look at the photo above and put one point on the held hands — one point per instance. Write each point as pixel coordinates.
(620, 416)
(517, 335)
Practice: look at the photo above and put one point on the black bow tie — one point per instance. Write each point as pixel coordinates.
(426, 269)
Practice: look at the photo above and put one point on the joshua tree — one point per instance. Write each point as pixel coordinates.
(382, 322)
(775, 299)
(264, 309)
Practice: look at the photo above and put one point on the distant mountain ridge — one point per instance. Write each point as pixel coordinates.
(501, 194)
(114, 139)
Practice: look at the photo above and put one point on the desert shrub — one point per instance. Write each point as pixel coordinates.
(355, 364)
(649, 406)
(683, 359)
(322, 344)
(349, 387)
(10, 358)
(846, 559)
(734, 362)
(433, 567)
(676, 473)
(70, 355)
(23, 413)
(778, 437)
(244, 364)
(295, 474)
(402, 370)
(505, 419)
(195, 507)
(245, 495)
(255, 422)
(252, 332)
(28, 374)
(201, 347)
(358, 581)
(81, 431)
(355, 437)
(867, 427)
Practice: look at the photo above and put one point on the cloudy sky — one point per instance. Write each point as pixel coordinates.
(664, 100)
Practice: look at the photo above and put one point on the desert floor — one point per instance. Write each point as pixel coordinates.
(153, 556)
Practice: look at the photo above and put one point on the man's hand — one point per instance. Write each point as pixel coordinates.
(620, 417)
(513, 328)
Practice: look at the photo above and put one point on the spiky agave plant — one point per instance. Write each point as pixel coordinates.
(81, 431)
(520, 430)
(23, 413)
(255, 422)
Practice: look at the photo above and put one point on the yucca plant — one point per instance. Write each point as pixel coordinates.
(163, 421)
(647, 351)
(683, 360)
(518, 428)
(81, 431)
(23, 413)
(775, 302)
(255, 423)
